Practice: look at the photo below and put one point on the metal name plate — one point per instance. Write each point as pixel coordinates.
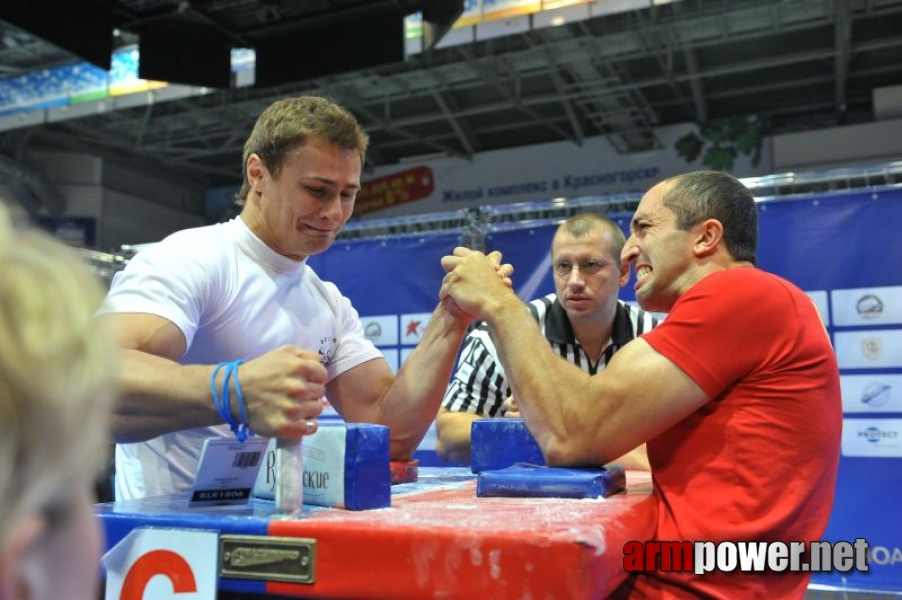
(268, 558)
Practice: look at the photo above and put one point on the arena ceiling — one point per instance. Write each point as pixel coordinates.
(797, 65)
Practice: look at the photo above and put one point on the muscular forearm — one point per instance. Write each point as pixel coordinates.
(552, 394)
(413, 399)
(158, 395)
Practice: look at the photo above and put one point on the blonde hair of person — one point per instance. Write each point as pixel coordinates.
(56, 385)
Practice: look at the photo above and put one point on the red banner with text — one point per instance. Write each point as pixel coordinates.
(397, 188)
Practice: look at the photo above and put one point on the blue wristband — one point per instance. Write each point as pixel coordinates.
(217, 400)
(222, 401)
(239, 429)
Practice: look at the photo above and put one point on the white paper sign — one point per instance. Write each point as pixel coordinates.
(323, 464)
(227, 471)
(324, 467)
(163, 563)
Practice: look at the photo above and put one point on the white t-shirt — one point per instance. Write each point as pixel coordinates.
(233, 298)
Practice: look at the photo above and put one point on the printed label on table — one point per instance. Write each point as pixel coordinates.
(227, 471)
(323, 466)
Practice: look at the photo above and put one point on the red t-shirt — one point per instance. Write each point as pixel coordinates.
(758, 462)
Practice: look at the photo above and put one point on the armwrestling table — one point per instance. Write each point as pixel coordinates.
(437, 540)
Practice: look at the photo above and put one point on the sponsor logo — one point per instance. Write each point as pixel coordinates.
(872, 347)
(869, 306)
(876, 394)
(875, 435)
(372, 331)
(412, 328)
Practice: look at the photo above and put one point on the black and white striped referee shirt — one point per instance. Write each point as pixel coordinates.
(480, 386)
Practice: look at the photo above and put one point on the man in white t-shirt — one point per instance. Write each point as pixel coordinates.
(242, 290)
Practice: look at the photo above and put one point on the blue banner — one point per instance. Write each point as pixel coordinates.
(388, 276)
(836, 246)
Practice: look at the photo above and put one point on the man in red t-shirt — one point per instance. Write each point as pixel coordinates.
(736, 393)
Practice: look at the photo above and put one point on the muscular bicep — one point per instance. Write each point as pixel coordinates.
(356, 393)
(147, 333)
(647, 394)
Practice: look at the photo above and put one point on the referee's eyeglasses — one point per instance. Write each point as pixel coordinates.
(563, 269)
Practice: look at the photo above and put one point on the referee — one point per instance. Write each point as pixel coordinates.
(583, 321)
